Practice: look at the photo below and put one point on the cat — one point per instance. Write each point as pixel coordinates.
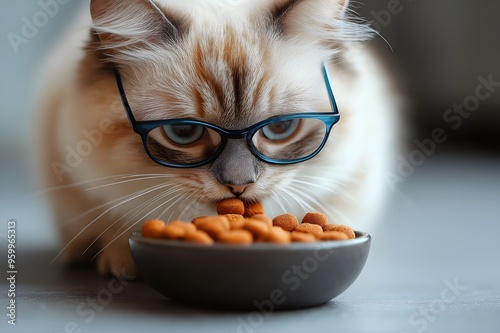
(227, 63)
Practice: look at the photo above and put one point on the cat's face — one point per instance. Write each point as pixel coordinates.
(231, 71)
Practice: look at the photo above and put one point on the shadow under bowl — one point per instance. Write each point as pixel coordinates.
(221, 276)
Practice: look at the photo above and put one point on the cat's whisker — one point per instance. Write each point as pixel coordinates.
(102, 206)
(348, 176)
(148, 203)
(184, 211)
(113, 240)
(328, 189)
(299, 195)
(131, 226)
(326, 180)
(309, 197)
(337, 178)
(344, 194)
(128, 181)
(277, 199)
(329, 211)
(63, 187)
(298, 200)
(334, 191)
(180, 204)
(177, 198)
(290, 206)
(383, 38)
(158, 196)
(140, 175)
(104, 213)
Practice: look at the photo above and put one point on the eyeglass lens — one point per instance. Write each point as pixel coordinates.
(187, 143)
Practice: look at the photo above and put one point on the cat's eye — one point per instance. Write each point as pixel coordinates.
(184, 134)
(280, 130)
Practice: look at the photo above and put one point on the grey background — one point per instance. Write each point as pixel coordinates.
(442, 223)
(441, 47)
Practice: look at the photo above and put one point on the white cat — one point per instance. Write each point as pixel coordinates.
(228, 65)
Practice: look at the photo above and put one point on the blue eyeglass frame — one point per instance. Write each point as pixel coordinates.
(143, 128)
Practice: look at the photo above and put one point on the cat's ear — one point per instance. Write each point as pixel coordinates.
(315, 19)
(126, 24)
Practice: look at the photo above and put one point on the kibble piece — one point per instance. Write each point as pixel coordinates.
(236, 221)
(309, 228)
(199, 218)
(342, 228)
(199, 237)
(237, 237)
(333, 235)
(287, 222)
(258, 229)
(254, 208)
(183, 225)
(264, 218)
(302, 237)
(316, 218)
(214, 226)
(239, 223)
(207, 219)
(173, 232)
(231, 206)
(278, 235)
(153, 228)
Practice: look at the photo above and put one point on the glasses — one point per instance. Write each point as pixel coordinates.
(281, 140)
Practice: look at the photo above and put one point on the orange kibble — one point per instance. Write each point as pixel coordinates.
(173, 232)
(197, 219)
(278, 235)
(254, 208)
(309, 228)
(263, 218)
(241, 224)
(236, 237)
(341, 228)
(333, 236)
(258, 229)
(236, 221)
(199, 237)
(209, 219)
(153, 228)
(214, 226)
(302, 237)
(316, 218)
(231, 206)
(287, 222)
(183, 225)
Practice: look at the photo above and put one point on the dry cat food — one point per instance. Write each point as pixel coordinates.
(243, 224)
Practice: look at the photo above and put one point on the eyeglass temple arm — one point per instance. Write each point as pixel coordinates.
(126, 106)
(329, 89)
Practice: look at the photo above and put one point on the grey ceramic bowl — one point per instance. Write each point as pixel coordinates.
(260, 276)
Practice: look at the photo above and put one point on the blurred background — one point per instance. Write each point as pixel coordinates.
(442, 52)
(441, 48)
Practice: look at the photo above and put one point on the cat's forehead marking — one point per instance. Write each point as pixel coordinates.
(234, 77)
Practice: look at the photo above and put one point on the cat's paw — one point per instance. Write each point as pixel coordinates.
(116, 261)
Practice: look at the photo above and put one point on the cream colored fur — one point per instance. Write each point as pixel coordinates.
(102, 196)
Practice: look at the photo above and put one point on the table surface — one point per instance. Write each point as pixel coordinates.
(434, 266)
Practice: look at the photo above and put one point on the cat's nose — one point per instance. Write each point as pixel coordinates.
(237, 189)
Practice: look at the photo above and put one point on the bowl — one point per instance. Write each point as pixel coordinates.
(257, 276)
